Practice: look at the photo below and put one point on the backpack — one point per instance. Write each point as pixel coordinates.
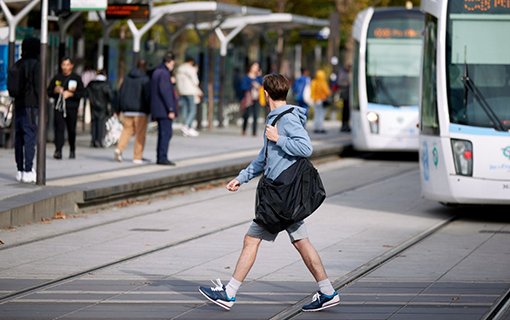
(19, 82)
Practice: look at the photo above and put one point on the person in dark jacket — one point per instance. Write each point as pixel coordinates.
(134, 103)
(100, 95)
(25, 111)
(163, 105)
(67, 90)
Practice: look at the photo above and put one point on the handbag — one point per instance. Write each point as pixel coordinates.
(307, 94)
(246, 101)
(293, 196)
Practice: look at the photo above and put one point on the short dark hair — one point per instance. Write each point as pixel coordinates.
(189, 59)
(277, 86)
(67, 58)
(168, 57)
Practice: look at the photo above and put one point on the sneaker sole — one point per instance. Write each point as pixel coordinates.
(323, 307)
(214, 301)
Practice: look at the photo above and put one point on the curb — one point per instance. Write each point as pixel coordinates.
(45, 203)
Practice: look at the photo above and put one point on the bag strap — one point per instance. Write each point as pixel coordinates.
(278, 117)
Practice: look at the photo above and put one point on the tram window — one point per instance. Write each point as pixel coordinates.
(355, 77)
(479, 46)
(429, 114)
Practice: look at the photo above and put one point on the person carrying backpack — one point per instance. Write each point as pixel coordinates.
(289, 143)
(23, 86)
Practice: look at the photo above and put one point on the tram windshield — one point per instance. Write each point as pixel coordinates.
(394, 49)
(478, 65)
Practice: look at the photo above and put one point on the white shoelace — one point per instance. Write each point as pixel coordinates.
(218, 284)
(316, 297)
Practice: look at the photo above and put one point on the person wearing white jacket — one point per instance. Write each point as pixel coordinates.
(189, 91)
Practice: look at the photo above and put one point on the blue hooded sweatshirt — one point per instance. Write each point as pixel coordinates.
(292, 145)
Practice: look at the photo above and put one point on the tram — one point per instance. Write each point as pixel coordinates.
(386, 79)
(465, 102)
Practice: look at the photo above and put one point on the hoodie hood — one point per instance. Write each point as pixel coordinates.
(320, 75)
(100, 77)
(30, 48)
(136, 73)
(299, 111)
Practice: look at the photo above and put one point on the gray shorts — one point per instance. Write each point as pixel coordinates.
(296, 232)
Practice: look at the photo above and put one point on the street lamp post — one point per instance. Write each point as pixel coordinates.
(41, 134)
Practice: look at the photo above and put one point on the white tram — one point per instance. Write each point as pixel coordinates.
(386, 79)
(465, 102)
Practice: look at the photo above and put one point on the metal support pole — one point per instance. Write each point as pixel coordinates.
(138, 34)
(103, 60)
(41, 129)
(63, 26)
(201, 76)
(224, 41)
(222, 90)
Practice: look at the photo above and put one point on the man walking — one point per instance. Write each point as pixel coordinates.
(187, 86)
(163, 105)
(134, 103)
(67, 90)
(26, 104)
(289, 142)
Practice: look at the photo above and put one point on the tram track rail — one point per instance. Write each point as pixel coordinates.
(500, 309)
(381, 260)
(287, 313)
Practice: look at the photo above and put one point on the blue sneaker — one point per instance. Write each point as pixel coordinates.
(218, 295)
(321, 301)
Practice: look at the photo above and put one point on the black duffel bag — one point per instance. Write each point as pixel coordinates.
(294, 195)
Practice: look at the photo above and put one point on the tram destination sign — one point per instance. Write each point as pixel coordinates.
(128, 11)
(481, 6)
(87, 5)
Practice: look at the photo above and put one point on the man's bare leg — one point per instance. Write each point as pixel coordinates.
(247, 257)
(311, 259)
(329, 297)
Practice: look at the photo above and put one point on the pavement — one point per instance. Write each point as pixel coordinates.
(183, 240)
(95, 178)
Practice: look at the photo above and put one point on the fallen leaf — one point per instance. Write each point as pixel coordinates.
(146, 282)
(457, 298)
(387, 246)
(227, 267)
(1, 242)
(60, 215)
(132, 283)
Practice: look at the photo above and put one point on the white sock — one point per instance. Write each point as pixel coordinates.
(326, 287)
(232, 287)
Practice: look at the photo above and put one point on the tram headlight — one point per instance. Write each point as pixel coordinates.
(373, 121)
(463, 156)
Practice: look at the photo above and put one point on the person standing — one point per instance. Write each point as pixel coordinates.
(299, 88)
(344, 84)
(163, 105)
(134, 103)
(100, 94)
(289, 142)
(187, 84)
(250, 86)
(67, 90)
(26, 105)
(319, 93)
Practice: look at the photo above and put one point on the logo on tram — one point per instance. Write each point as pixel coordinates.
(425, 160)
(506, 152)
